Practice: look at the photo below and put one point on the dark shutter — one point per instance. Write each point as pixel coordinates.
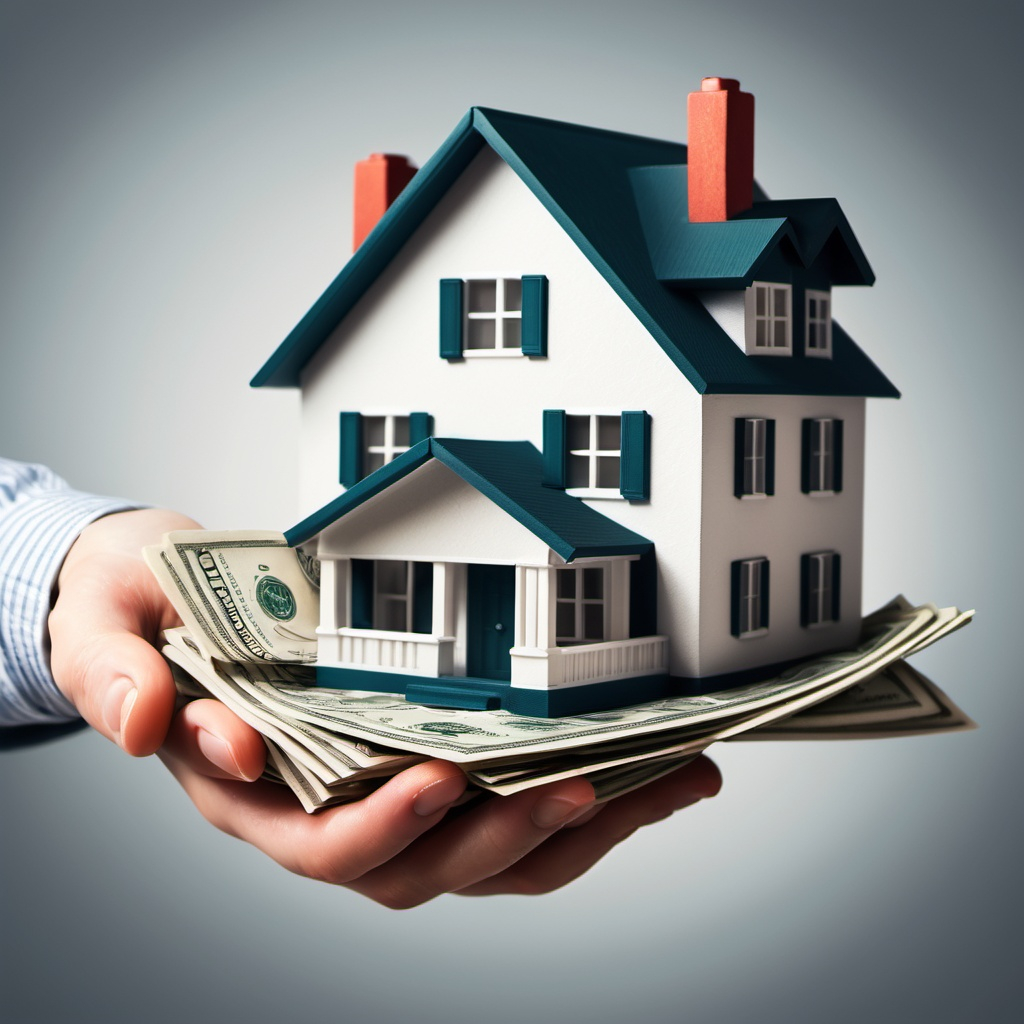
(736, 574)
(837, 455)
(765, 593)
(769, 456)
(836, 584)
(535, 315)
(451, 318)
(362, 593)
(422, 597)
(350, 462)
(421, 426)
(739, 452)
(554, 448)
(806, 568)
(806, 446)
(635, 456)
(643, 595)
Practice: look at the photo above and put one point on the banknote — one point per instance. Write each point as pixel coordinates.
(243, 595)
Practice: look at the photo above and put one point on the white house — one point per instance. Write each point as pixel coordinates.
(578, 422)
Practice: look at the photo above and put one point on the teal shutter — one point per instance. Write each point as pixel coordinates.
(765, 592)
(350, 462)
(769, 456)
(421, 426)
(554, 448)
(535, 315)
(635, 460)
(423, 597)
(735, 588)
(805, 589)
(643, 595)
(806, 446)
(836, 582)
(739, 450)
(362, 593)
(451, 318)
(837, 455)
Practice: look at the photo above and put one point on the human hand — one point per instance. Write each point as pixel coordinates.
(397, 847)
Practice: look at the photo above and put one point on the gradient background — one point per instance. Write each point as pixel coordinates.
(174, 194)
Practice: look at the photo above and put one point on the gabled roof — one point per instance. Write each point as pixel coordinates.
(509, 473)
(593, 183)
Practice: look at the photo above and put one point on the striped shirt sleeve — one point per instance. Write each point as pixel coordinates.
(40, 518)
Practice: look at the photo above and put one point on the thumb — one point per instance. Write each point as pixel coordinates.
(118, 681)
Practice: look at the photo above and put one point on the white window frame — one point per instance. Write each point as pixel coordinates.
(823, 321)
(381, 597)
(755, 456)
(751, 596)
(769, 319)
(390, 450)
(822, 465)
(501, 317)
(579, 603)
(593, 454)
(819, 598)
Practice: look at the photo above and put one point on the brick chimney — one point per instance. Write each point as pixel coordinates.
(721, 150)
(379, 179)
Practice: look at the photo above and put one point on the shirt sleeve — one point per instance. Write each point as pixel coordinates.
(40, 518)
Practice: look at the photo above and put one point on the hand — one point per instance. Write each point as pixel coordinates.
(396, 846)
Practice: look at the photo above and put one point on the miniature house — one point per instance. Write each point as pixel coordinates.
(579, 424)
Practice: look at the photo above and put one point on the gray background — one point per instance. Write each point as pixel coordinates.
(175, 193)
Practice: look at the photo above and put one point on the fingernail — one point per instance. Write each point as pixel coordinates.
(432, 798)
(118, 704)
(218, 752)
(557, 810)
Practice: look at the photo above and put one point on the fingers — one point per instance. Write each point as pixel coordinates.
(585, 841)
(209, 739)
(482, 843)
(337, 845)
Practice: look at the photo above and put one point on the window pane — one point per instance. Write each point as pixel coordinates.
(609, 433)
(480, 334)
(593, 584)
(373, 431)
(482, 296)
(761, 334)
(577, 432)
(391, 577)
(513, 294)
(608, 471)
(780, 334)
(402, 431)
(761, 300)
(391, 614)
(579, 471)
(593, 622)
(781, 302)
(512, 336)
(372, 461)
(565, 621)
(567, 583)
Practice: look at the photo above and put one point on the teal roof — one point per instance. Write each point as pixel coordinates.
(507, 472)
(606, 189)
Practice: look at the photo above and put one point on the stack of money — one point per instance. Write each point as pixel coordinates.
(331, 746)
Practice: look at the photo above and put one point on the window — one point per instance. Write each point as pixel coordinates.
(769, 319)
(392, 595)
(819, 588)
(501, 316)
(593, 446)
(754, 474)
(368, 442)
(822, 470)
(598, 455)
(749, 597)
(818, 319)
(579, 605)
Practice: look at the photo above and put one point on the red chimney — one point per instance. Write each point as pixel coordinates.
(378, 182)
(721, 150)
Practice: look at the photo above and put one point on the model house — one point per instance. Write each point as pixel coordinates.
(578, 423)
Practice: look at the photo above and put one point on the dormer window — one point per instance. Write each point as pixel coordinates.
(769, 319)
(818, 318)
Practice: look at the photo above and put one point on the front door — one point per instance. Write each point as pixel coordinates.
(490, 619)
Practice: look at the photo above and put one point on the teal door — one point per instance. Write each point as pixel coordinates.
(489, 620)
